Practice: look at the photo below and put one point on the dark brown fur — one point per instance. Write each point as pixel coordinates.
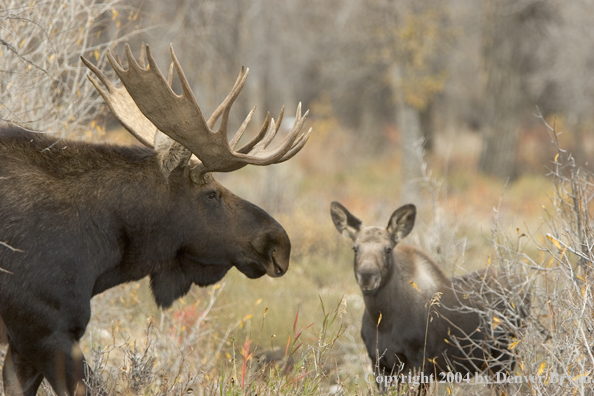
(79, 218)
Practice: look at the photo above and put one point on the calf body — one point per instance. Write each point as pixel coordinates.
(415, 317)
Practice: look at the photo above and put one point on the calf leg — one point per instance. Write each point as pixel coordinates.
(20, 376)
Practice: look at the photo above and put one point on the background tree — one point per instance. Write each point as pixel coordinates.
(512, 31)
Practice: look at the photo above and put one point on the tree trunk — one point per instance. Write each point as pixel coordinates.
(426, 121)
(504, 98)
(409, 125)
(371, 137)
(500, 131)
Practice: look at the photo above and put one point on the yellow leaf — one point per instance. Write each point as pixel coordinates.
(96, 53)
(496, 322)
(556, 157)
(52, 56)
(513, 345)
(227, 354)
(379, 319)
(258, 301)
(247, 317)
(215, 287)
(555, 242)
(115, 14)
(415, 286)
(541, 368)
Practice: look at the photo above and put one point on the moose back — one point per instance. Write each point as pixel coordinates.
(78, 218)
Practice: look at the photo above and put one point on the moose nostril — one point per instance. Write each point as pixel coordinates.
(278, 270)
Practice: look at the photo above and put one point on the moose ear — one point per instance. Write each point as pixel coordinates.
(171, 154)
(344, 221)
(402, 222)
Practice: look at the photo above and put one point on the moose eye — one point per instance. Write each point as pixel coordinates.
(211, 195)
(388, 250)
(355, 249)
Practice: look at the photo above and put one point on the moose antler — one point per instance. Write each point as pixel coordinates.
(180, 117)
(122, 106)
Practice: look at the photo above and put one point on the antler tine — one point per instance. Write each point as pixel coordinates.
(299, 143)
(237, 87)
(241, 130)
(265, 136)
(110, 87)
(292, 141)
(122, 106)
(275, 126)
(252, 143)
(229, 102)
(290, 146)
(186, 88)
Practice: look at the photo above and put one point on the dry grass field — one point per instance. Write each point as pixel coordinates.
(221, 339)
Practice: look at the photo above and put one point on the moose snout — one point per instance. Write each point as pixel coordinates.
(368, 280)
(279, 252)
(277, 267)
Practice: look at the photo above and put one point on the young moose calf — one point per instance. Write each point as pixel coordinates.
(403, 329)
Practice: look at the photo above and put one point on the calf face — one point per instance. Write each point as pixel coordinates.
(373, 246)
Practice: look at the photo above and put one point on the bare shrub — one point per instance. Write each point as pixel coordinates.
(43, 83)
(552, 341)
(558, 347)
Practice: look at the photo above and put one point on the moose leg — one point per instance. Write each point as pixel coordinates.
(20, 376)
(57, 357)
(64, 367)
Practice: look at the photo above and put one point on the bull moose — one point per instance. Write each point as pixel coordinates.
(78, 218)
(416, 318)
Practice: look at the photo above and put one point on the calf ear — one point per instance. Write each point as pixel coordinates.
(402, 222)
(344, 221)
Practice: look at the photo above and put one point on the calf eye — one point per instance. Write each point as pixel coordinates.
(355, 249)
(387, 250)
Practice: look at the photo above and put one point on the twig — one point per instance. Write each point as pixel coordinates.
(6, 245)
